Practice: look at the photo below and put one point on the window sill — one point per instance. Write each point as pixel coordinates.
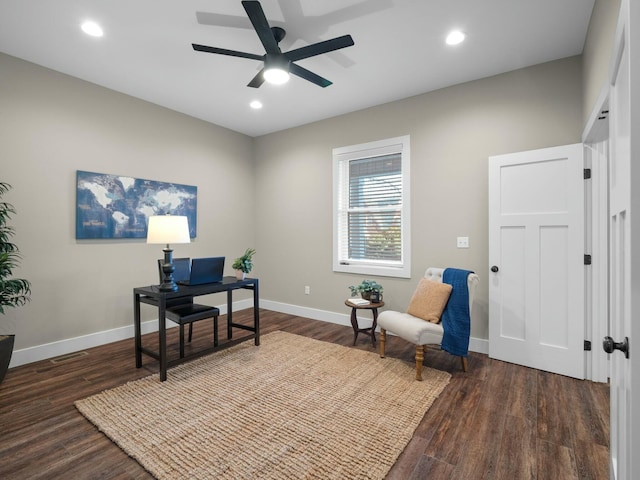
(373, 270)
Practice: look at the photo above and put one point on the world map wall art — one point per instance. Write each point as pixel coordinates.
(113, 206)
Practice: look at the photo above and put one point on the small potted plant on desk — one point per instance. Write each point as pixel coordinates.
(14, 292)
(244, 264)
(369, 290)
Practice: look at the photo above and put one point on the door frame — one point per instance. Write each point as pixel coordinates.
(595, 138)
(628, 32)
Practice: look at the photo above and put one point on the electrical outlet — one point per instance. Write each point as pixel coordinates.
(463, 242)
(307, 290)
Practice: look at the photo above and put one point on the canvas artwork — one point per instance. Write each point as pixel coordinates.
(113, 206)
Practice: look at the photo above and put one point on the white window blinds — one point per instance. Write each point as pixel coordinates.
(375, 209)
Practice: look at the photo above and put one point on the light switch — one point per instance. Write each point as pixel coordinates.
(463, 242)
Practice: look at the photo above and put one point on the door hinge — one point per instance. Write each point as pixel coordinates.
(587, 345)
(587, 259)
(586, 173)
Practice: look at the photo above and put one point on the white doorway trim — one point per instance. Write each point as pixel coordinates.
(596, 140)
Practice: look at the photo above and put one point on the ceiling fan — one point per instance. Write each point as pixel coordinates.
(278, 65)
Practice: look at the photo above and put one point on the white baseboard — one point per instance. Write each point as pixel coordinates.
(64, 347)
(478, 345)
(69, 345)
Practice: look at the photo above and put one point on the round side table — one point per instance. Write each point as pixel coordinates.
(354, 319)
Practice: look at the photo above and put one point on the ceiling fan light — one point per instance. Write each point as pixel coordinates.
(276, 76)
(276, 69)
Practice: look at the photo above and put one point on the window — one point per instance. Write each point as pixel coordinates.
(371, 230)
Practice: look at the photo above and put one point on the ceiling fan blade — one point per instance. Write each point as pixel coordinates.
(261, 26)
(310, 76)
(223, 51)
(257, 80)
(320, 48)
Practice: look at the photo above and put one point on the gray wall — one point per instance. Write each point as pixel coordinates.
(52, 125)
(453, 131)
(597, 52)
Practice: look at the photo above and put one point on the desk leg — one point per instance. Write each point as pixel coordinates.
(229, 313)
(256, 312)
(162, 334)
(137, 329)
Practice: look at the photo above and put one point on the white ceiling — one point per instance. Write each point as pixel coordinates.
(399, 50)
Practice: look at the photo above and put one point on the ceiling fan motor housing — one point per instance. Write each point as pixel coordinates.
(278, 33)
(276, 61)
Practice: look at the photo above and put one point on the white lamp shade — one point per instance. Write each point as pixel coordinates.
(168, 229)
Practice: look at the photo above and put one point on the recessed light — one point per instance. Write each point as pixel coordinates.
(92, 28)
(256, 105)
(455, 37)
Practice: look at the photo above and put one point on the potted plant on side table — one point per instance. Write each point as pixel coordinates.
(369, 290)
(244, 264)
(14, 292)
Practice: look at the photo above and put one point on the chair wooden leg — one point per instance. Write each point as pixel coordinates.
(419, 360)
(383, 339)
(190, 331)
(215, 331)
(464, 363)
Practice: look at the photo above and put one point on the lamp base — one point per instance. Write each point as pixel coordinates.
(168, 284)
(168, 287)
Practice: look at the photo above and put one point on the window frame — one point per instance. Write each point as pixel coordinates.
(397, 145)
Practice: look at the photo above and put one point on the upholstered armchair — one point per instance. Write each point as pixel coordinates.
(427, 328)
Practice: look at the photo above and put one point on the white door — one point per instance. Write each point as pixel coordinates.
(536, 257)
(624, 258)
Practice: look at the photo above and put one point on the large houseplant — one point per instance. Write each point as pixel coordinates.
(14, 292)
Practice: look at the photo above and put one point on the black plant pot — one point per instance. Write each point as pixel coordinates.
(6, 349)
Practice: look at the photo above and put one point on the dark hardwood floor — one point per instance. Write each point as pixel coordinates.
(497, 421)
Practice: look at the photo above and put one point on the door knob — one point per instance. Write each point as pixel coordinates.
(609, 345)
(494, 269)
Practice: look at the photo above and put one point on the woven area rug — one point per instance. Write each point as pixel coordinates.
(292, 408)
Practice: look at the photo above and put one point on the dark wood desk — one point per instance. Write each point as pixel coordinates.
(151, 295)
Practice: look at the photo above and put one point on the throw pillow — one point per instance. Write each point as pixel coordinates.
(429, 300)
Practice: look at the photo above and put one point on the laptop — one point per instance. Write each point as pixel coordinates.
(203, 270)
(181, 269)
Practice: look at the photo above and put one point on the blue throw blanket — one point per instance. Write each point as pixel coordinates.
(456, 321)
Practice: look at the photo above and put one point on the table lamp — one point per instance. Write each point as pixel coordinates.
(168, 229)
